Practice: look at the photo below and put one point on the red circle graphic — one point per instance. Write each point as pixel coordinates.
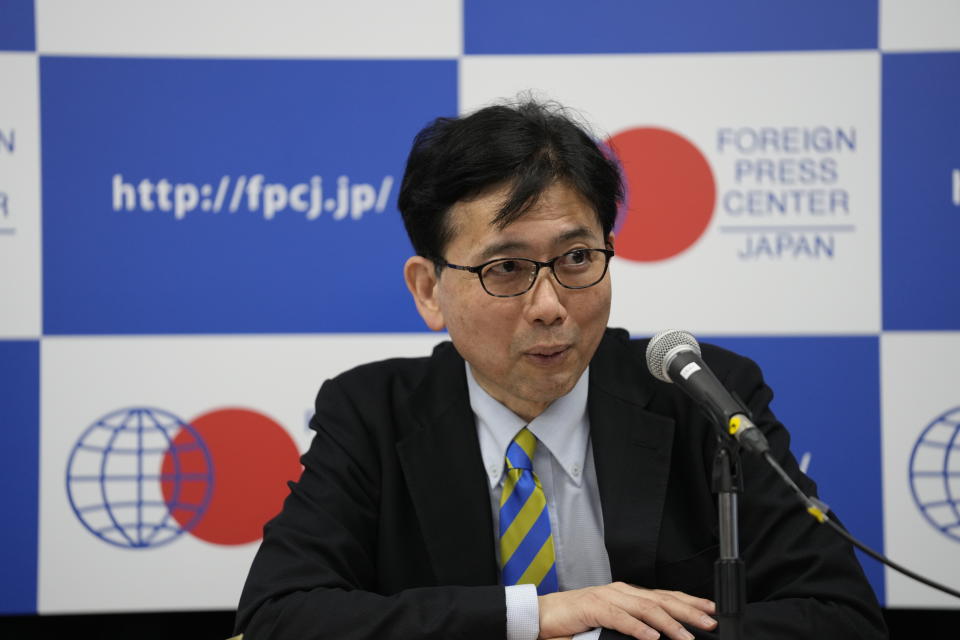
(671, 193)
(253, 457)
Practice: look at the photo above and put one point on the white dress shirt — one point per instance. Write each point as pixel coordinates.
(564, 464)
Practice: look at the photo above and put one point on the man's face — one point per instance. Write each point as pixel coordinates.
(525, 351)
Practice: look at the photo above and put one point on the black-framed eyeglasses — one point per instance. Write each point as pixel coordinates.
(509, 277)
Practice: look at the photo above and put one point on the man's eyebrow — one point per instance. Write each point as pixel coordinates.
(517, 248)
(503, 248)
(576, 233)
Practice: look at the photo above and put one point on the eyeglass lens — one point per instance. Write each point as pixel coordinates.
(513, 276)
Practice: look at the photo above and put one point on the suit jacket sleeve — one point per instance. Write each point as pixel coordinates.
(318, 573)
(803, 580)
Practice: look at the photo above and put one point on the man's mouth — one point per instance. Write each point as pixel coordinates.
(548, 354)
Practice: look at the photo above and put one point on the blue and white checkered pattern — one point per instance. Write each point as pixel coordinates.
(198, 208)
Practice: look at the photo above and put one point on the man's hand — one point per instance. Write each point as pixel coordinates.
(641, 613)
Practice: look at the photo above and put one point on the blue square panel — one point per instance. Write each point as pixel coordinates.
(226, 196)
(828, 395)
(921, 191)
(620, 26)
(19, 474)
(17, 25)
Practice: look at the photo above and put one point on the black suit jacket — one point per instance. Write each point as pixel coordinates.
(389, 534)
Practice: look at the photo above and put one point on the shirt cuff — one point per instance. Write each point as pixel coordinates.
(593, 634)
(523, 612)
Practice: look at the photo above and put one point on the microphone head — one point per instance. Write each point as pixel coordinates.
(664, 346)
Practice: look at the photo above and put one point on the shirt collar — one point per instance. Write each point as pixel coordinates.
(563, 428)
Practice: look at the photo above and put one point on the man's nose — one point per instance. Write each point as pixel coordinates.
(545, 304)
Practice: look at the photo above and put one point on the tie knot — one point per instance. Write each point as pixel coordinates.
(520, 452)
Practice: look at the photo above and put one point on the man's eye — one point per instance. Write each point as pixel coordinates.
(503, 268)
(575, 257)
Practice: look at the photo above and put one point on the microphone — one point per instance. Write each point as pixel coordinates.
(674, 356)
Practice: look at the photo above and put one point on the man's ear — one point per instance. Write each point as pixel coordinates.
(422, 280)
(610, 240)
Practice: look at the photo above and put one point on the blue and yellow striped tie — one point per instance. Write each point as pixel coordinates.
(526, 546)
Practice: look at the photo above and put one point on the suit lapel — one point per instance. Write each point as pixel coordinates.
(444, 471)
(631, 448)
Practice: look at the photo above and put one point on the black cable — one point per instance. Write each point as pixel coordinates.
(818, 510)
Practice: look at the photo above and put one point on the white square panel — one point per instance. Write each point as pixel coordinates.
(924, 25)
(19, 197)
(778, 155)
(248, 28)
(92, 558)
(921, 464)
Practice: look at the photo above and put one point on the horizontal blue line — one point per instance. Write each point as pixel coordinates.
(789, 227)
(127, 504)
(939, 503)
(939, 445)
(183, 506)
(186, 477)
(123, 450)
(190, 446)
(132, 526)
(124, 504)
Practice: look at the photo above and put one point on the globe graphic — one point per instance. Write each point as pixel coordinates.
(116, 482)
(935, 473)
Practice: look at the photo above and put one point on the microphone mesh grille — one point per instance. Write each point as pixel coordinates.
(662, 344)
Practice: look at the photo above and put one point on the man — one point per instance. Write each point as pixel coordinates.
(531, 479)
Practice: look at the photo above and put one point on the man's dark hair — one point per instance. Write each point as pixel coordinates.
(526, 147)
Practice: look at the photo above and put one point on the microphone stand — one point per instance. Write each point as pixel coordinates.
(728, 571)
